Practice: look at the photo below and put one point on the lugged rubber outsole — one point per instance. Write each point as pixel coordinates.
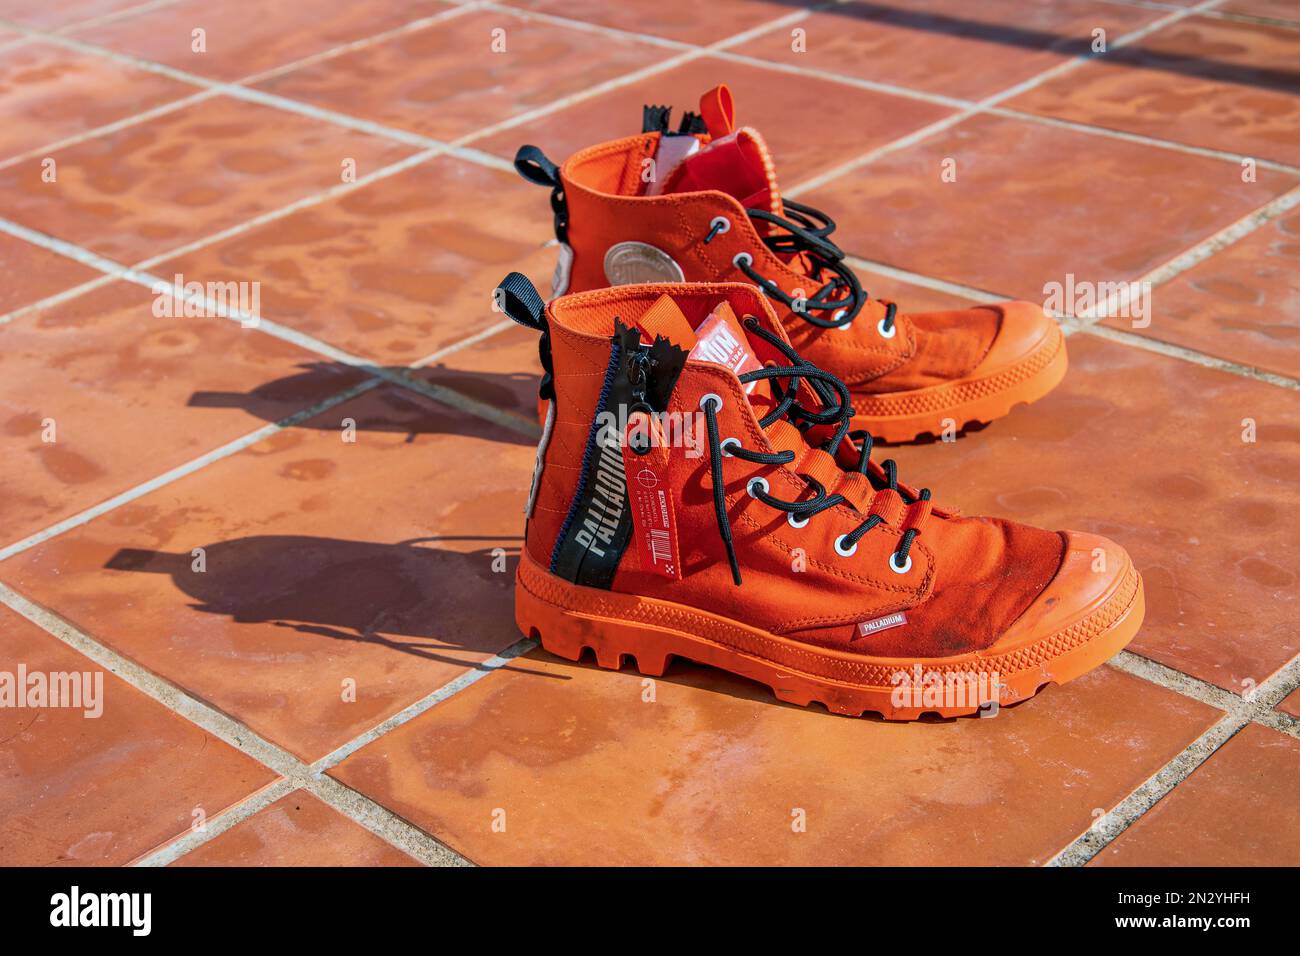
(977, 401)
(569, 618)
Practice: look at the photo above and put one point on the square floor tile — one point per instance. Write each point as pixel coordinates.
(1242, 304)
(29, 273)
(52, 93)
(340, 580)
(297, 830)
(445, 81)
(1148, 451)
(161, 184)
(802, 119)
(968, 50)
(1239, 808)
(1203, 81)
(83, 790)
(239, 41)
(681, 20)
(99, 394)
(594, 767)
(393, 270)
(1032, 204)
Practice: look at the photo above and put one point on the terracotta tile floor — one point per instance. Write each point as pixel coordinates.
(301, 534)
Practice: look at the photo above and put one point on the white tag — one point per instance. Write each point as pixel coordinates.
(541, 456)
(672, 150)
(897, 619)
(563, 269)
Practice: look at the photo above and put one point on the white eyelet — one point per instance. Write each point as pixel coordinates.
(839, 547)
(895, 568)
(795, 522)
(880, 327)
(704, 401)
(719, 224)
(837, 316)
(760, 482)
(722, 445)
(739, 256)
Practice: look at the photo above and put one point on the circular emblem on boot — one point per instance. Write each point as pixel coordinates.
(628, 262)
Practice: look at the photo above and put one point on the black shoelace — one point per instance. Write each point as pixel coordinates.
(807, 230)
(838, 411)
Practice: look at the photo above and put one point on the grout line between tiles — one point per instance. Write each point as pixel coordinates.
(99, 21)
(984, 104)
(350, 803)
(218, 824)
(1240, 713)
(180, 471)
(1211, 14)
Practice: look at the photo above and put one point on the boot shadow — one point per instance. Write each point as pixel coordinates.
(317, 379)
(408, 597)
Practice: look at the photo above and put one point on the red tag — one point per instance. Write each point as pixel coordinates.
(650, 495)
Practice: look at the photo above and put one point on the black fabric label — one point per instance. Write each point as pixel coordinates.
(599, 523)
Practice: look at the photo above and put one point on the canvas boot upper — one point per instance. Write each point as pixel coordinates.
(781, 519)
(703, 204)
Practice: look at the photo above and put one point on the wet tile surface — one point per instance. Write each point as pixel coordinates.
(1205, 82)
(160, 184)
(29, 273)
(396, 269)
(100, 394)
(310, 586)
(582, 770)
(236, 45)
(342, 580)
(79, 790)
(1242, 304)
(1033, 204)
(457, 76)
(51, 93)
(1161, 469)
(297, 830)
(792, 113)
(1236, 809)
(966, 50)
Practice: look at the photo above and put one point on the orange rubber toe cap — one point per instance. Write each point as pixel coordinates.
(1095, 588)
(1023, 334)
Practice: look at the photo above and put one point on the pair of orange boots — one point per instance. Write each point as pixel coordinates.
(704, 485)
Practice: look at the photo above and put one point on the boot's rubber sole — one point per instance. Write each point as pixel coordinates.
(568, 618)
(903, 416)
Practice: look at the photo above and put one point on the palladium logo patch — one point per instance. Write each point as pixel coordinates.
(867, 628)
(628, 262)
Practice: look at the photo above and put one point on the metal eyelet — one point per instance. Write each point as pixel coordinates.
(895, 568)
(760, 482)
(795, 522)
(840, 314)
(722, 446)
(719, 225)
(880, 327)
(839, 547)
(739, 256)
(704, 400)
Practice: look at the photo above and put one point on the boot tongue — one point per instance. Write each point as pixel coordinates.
(721, 339)
(737, 164)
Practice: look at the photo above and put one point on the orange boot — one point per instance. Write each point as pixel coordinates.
(702, 205)
(699, 494)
